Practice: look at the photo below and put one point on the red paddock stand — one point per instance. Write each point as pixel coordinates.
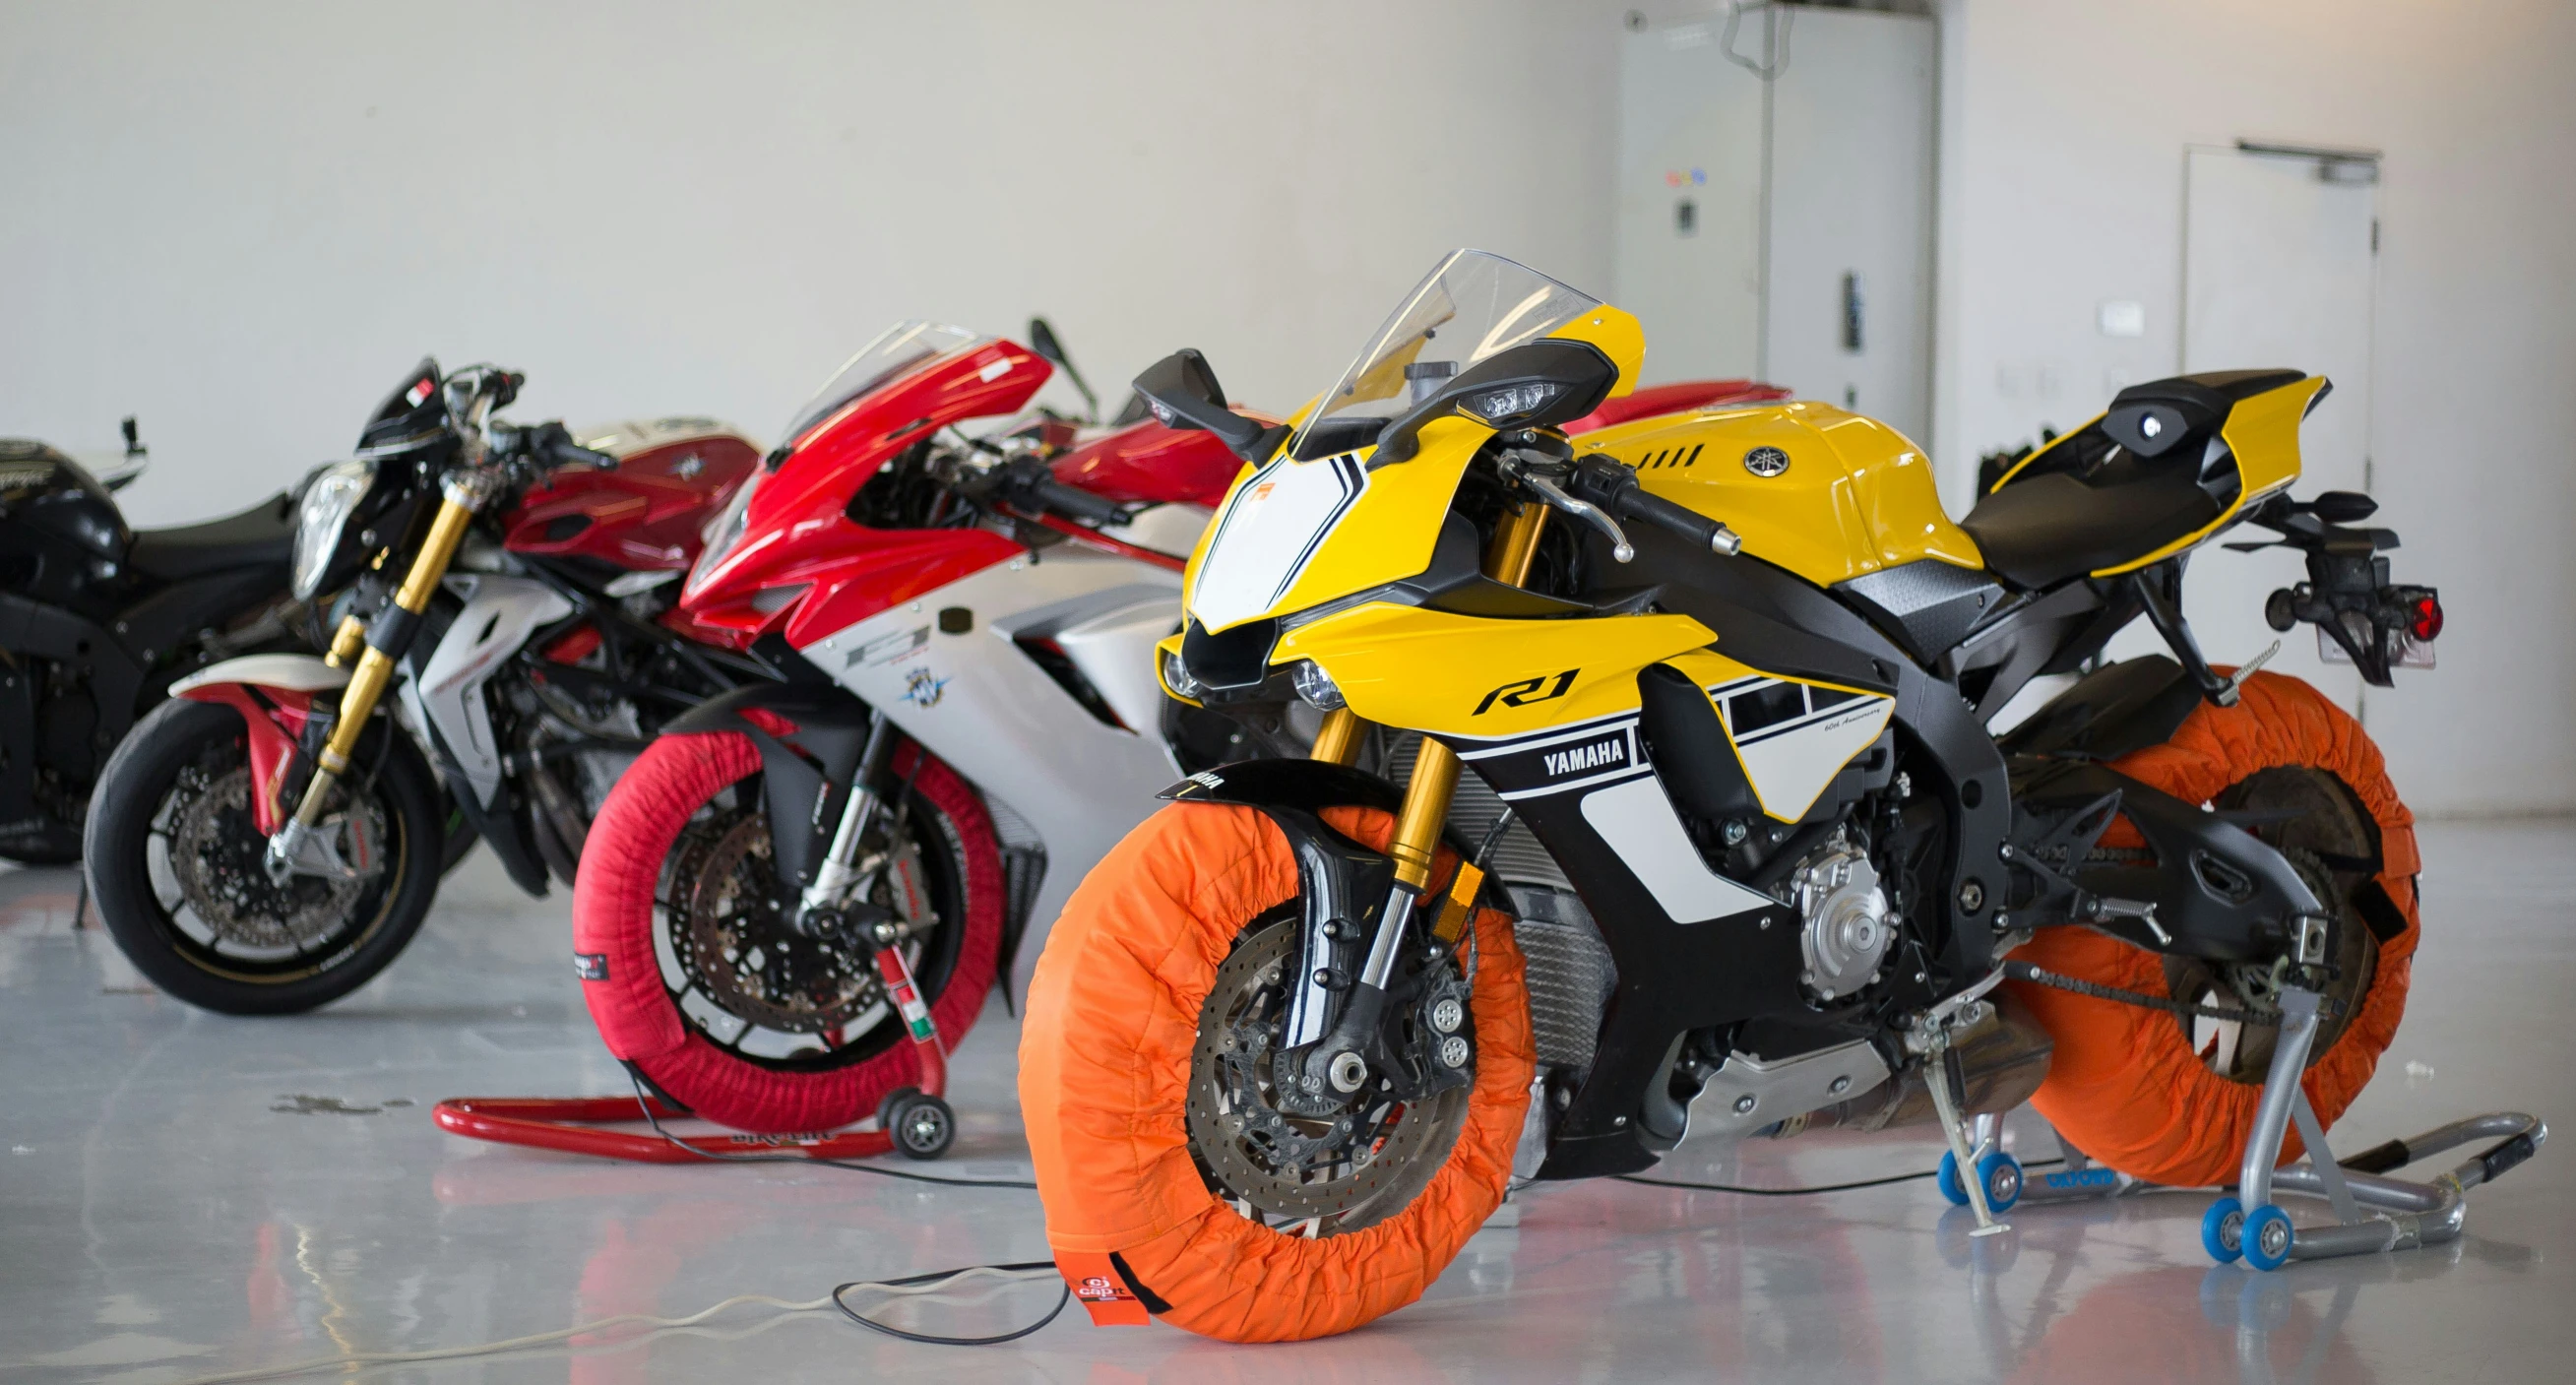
(913, 1121)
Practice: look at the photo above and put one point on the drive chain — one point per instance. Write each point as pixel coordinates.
(2024, 971)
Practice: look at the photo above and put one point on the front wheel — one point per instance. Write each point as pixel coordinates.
(1160, 1140)
(178, 867)
(697, 977)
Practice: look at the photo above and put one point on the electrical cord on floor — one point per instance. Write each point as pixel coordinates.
(914, 1285)
(1797, 1192)
(1027, 1269)
(645, 1101)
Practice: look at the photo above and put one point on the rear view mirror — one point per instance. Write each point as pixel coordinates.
(1183, 393)
(1537, 384)
(1042, 340)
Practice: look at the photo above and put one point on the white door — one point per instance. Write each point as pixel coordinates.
(2279, 256)
(1849, 313)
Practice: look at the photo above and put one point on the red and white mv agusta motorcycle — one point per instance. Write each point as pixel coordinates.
(971, 718)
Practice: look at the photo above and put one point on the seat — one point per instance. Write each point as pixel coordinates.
(2150, 471)
(263, 535)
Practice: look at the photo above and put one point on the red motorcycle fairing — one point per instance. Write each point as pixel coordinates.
(803, 564)
(645, 516)
(1676, 398)
(1150, 464)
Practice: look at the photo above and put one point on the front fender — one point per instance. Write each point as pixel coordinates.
(274, 694)
(304, 673)
(809, 736)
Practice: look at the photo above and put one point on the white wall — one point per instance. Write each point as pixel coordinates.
(2064, 128)
(243, 222)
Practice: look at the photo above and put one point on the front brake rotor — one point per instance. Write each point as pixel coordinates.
(1343, 1172)
(220, 860)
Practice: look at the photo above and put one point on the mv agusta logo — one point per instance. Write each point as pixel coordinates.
(1547, 687)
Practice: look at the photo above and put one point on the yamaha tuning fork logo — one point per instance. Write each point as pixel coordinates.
(1766, 462)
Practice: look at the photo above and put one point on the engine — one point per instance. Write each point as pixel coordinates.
(1845, 927)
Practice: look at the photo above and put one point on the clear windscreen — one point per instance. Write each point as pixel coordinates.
(898, 351)
(1472, 305)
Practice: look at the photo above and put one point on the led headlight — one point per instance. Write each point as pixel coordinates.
(1176, 677)
(329, 499)
(1316, 686)
(1504, 403)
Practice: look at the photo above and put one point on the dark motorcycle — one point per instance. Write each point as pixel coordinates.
(97, 619)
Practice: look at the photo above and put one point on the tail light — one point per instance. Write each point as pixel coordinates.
(2428, 618)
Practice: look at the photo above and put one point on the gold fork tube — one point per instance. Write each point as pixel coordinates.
(1338, 742)
(375, 670)
(346, 641)
(1435, 771)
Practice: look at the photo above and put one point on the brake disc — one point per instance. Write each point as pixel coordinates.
(1344, 1172)
(220, 860)
(732, 939)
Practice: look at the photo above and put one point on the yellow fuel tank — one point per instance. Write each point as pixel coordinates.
(1827, 494)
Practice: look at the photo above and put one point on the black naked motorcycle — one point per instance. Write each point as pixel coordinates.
(265, 841)
(97, 619)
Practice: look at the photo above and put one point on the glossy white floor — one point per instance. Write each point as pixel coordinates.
(185, 1194)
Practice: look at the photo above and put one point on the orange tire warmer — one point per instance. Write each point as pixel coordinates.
(1113, 1014)
(612, 929)
(2124, 1084)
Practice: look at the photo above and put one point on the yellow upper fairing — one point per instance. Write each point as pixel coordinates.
(1470, 676)
(1853, 496)
(1319, 521)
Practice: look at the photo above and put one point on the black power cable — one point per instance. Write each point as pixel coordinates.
(1063, 1297)
(1797, 1192)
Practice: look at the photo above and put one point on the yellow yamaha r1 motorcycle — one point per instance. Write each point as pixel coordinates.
(1655, 782)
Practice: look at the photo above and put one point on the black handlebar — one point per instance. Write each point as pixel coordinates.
(549, 445)
(1613, 486)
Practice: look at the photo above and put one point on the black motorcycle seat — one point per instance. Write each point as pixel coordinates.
(261, 536)
(2151, 470)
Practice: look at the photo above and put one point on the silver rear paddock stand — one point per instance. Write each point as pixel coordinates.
(2372, 1212)
(2401, 1215)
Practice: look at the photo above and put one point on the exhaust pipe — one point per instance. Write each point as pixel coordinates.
(2003, 1058)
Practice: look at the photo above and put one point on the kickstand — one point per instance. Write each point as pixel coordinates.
(1939, 1072)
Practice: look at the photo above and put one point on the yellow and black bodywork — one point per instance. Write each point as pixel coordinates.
(1677, 729)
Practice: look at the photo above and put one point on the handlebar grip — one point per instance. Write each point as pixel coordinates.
(1081, 504)
(1636, 504)
(567, 452)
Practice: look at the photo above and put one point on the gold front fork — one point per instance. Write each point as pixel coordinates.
(1435, 771)
(375, 671)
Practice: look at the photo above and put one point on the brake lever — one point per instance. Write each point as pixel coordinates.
(1556, 498)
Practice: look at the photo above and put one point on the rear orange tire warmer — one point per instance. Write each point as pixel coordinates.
(612, 922)
(2124, 1084)
(1113, 1013)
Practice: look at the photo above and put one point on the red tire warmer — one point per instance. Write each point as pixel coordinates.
(2124, 1084)
(1113, 1013)
(622, 981)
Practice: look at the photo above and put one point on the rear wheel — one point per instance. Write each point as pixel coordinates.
(697, 977)
(1161, 1138)
(177, 866)
(2171, 1099)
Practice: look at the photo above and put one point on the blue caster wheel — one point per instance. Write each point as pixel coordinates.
(2222, 1230)
(2001, 1173)
(2267, 1237)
